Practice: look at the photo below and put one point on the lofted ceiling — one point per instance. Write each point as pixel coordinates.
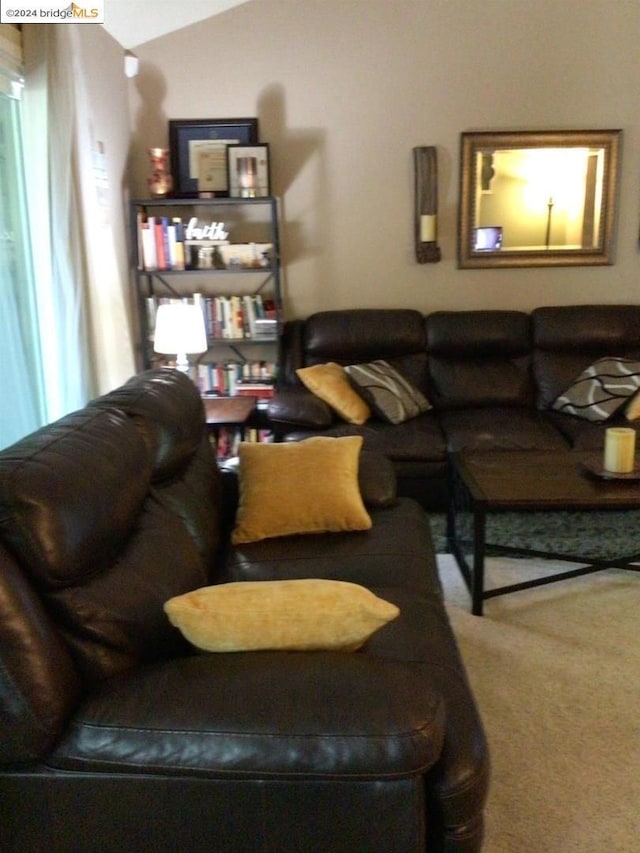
(133, 22)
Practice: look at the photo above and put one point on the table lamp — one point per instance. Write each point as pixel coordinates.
(180, 329)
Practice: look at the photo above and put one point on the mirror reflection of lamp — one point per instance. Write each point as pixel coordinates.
(549, 212)
(555, 180)
(247, 169)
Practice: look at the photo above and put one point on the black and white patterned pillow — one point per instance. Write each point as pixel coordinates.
(601, 389)
(391, 396)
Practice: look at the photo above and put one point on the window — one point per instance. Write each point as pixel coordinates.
(21, 383)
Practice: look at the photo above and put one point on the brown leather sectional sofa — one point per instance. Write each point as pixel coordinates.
(491, 377)
(115, 735)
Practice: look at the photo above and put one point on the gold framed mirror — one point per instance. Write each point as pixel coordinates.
(538, 198)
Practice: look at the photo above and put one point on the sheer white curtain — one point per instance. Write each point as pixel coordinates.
(110, 336)
(21, 389)
(82, 312)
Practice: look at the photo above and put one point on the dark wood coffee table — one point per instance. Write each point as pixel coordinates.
(523, 480)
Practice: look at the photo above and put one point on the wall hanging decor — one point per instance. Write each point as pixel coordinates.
(538, 198)
(199, 153)
(425, 161)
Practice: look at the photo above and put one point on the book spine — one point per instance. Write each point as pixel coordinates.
(259, 307)
(161, 257)
(218, 318)
(139, 247)
(179, 259)
(148, 240)
(199, 300)
(203, 380)
(225, 318)
(254, 391)
(237, 319)
(249, 316)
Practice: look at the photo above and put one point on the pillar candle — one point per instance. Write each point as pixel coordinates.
(428, 228)
(619, 450)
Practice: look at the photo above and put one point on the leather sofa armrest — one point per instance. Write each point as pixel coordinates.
(377, 479)
(298, 407)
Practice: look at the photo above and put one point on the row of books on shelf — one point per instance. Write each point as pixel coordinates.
(167, 244)
(227, 439)
(230, 378)
(248, 317)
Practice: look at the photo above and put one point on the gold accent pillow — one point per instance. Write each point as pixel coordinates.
(331, 383)
(292, 615)
(308, 486)
(632, 410)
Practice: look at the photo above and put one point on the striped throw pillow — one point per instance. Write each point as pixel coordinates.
(389, 394)
(601, 389)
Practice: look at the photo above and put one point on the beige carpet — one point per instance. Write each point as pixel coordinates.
(556, 673)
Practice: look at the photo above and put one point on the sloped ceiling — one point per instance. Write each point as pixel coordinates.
(134, 22)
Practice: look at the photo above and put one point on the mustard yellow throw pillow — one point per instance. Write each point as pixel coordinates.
(292, 615)
(632, 410)
(331, 383)
(308, 486)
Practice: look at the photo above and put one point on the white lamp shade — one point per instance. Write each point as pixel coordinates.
(180, 329)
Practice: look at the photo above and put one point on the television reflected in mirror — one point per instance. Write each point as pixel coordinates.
(538, 198)
(487, 238)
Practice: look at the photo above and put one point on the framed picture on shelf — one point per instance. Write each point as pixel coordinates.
(248, 170)
(199, 153)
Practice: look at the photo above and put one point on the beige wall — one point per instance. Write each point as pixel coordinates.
(344, 89)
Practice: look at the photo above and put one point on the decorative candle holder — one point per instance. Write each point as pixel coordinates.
(160, 180)
(426, 204)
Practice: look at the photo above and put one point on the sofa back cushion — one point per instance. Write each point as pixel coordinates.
(365, 334)
(479, 359)
(71, 493)
(568, 339)
(166, 408)
(102, 541)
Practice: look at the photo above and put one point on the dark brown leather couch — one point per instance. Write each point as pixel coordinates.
(115, 735)
(491, 377)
